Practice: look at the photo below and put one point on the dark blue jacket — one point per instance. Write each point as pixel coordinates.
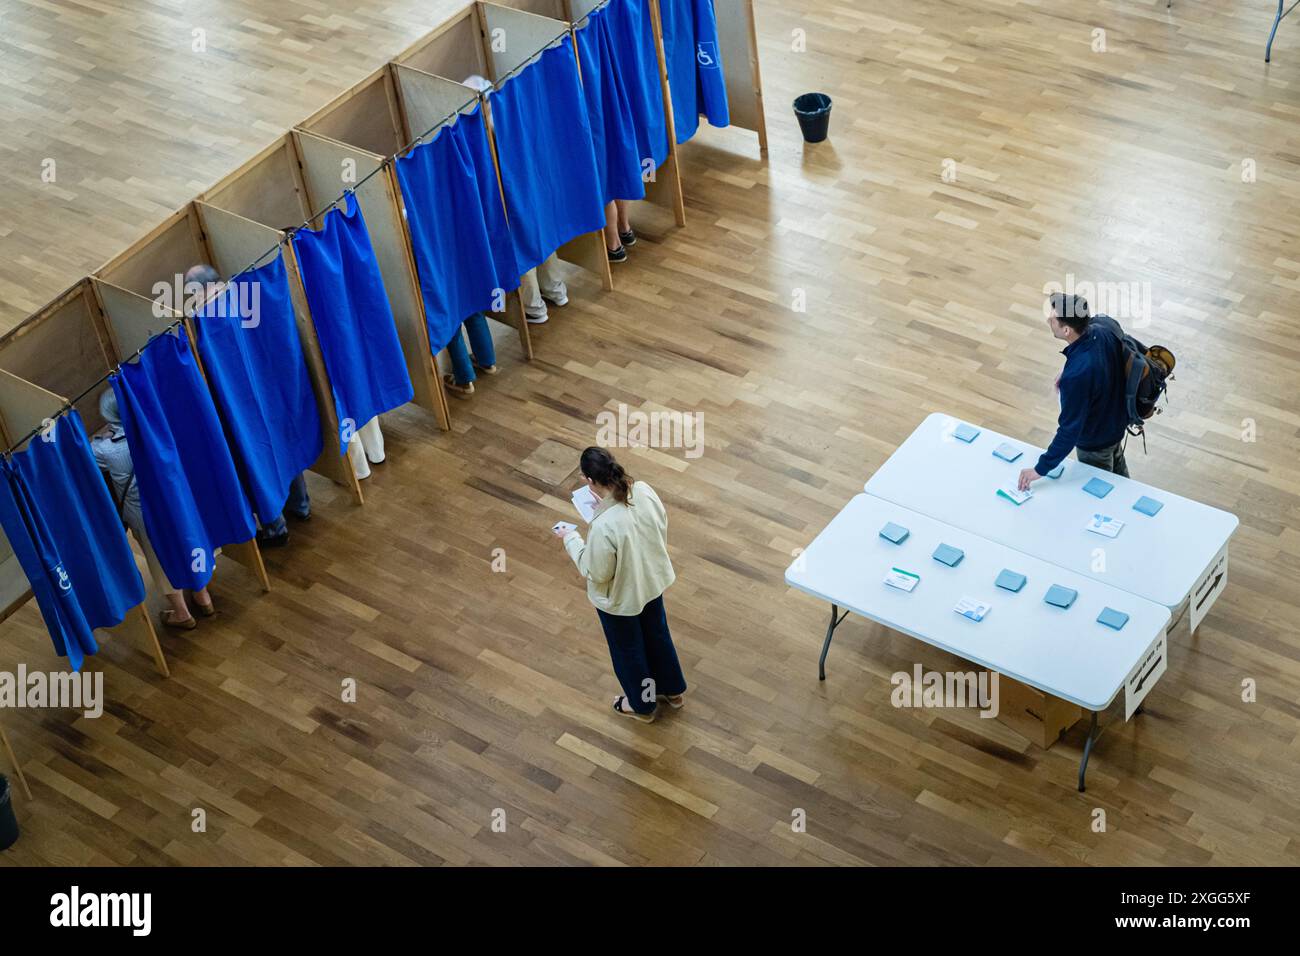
(1094, 413)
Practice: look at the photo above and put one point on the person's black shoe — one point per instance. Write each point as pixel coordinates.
(265, 540)
(628, 238)
(618, 255)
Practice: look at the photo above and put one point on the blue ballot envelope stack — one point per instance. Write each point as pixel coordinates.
(947, 554)
(1112, 618)
(895, 533)
(1010, 580)
(1147, 506)
(1098, 488)
(1060, 596)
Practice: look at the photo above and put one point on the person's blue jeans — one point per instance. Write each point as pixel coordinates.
(641, 649)
(480, 343)
(298, 504)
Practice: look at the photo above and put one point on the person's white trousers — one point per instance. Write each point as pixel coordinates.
(366, 447)
(544, 279)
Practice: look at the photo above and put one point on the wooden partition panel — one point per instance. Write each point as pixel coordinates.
(324, 163)
(365, 116)
(454, 49)
(426, 101)
(267, 189)
(738, 44)
(63, 348)
(25, 407)
(237, 242)
(156, 264)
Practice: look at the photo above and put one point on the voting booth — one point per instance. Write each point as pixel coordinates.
(376, 120)
(297, 180)
(230, 243)
(664, 189)
(497, 42)
(28, 409)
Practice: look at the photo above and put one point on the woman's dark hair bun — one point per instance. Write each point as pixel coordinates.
(600, 466)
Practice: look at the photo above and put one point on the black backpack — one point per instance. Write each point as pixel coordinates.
(1147, 372)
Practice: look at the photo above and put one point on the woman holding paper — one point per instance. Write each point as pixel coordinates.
(627, 569)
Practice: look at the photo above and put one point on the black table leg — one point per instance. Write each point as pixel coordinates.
(836, 617)
(1087, 749)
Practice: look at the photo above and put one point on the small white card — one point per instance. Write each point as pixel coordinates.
(969, 607)
(903, 580)
(1104, 525)
(563, 526)
(586, 501)
(1015, 494)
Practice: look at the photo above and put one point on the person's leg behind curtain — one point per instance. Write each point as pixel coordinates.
(660, 654)
(298, 504)
(550, 281)
(462, 376)
(627, 653)
(480, 343)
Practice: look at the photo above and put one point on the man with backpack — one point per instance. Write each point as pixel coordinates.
(1093, 385)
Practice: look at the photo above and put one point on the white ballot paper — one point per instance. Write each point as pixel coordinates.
(586, 501)
(1104, 525)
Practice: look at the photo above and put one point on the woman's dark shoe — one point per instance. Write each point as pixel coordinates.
(675, 701)
(620, 700)
(628, 238)
(618, 255)
(486, 369)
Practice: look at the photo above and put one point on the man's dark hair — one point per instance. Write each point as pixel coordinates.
(1072, 310)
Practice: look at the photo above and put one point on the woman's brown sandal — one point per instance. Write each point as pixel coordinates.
(169, 619)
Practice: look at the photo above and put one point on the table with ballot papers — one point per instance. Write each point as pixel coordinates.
(1068, 589)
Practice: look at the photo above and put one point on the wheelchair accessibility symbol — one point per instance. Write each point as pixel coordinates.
(706, 55)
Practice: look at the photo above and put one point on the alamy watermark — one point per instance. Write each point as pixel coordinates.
(76, 691)
(1126, 302)
(633, 428)
(239, 300)
(946, 689)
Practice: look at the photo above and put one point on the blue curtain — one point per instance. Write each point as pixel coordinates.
(548, 168)
(248, 340)
(354, 322)
(65, 531)
(609, 110)
(458, 226)
(189, 488)
(694, 62)
(633, 34)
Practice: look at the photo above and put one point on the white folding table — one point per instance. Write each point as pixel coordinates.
(1180, 554)
(1063, 652)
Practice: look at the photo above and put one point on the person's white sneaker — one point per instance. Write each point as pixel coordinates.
(536, 319)
(559, 298)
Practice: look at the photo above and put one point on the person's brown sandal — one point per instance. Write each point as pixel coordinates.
(169, 619)
(460, 391)
(205, 610)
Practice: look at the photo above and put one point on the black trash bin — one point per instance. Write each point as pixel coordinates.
(813, 111)
(8, 822)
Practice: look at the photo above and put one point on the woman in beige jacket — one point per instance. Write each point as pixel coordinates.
(627, 570)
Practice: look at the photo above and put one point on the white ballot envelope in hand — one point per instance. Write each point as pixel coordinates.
(586, 501)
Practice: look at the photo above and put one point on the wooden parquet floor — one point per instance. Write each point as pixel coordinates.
(482, 691)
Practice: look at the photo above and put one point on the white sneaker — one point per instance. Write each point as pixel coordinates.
(536, 319)
(559, 298)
